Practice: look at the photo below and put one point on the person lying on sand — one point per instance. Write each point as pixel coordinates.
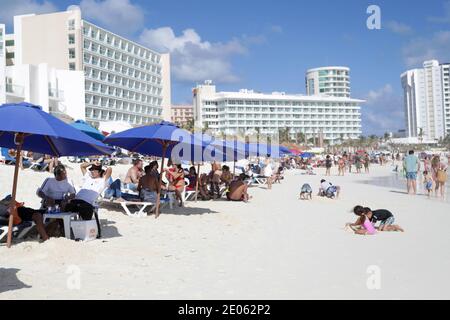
(385, 217)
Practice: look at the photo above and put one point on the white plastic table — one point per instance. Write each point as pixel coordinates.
(65, 216)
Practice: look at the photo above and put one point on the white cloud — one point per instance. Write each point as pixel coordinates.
(420, 49)
(194, 59)
(383, 111)
(121, 16)
(11, 8)
(398, 27)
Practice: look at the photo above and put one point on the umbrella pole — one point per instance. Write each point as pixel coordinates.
(234, 168)
(196, 184)
(13, 207)
(158, 199)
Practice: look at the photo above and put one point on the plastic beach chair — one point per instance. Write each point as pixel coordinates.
(18, 232)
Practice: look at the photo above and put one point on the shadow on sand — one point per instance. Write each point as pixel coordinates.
(9, 280)
(108, 230)
(187, 211)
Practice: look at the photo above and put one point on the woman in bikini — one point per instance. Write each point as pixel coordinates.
(175, 175)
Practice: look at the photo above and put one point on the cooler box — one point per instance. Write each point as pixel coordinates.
(84, 230)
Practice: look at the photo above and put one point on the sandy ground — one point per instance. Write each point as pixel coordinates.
(275, 247)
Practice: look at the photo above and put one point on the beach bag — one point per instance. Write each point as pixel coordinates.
(441, 176)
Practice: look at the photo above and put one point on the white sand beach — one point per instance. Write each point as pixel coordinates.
(275, 247)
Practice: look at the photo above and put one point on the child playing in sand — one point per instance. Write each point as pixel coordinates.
(385, 217)
(428, 182)
(362, 226)
(306, 192)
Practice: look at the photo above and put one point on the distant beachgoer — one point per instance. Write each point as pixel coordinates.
(328, 164)
(411, 165)
(441, 177)
(327, 189)
(366, 163)
(428, 182)
(306, 192)
(358, 163)
(427, 164)
(268, 172)
(341, 166)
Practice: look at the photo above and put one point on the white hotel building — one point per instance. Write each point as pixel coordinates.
(328, 81)
(247, 111)
(427, 100)
(121, 80)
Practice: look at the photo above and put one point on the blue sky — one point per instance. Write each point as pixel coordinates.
(268, 45)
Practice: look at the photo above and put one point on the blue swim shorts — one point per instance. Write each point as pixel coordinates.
(411, 175)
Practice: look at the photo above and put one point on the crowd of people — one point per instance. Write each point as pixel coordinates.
(434, 173)
(143, 183)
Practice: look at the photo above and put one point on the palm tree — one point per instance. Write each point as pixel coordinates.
(189, 125)
(446, 141)
(283, 135)
(299, 137)
(205, 127)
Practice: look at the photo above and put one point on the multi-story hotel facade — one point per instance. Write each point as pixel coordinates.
(59, 92)
(123, 81)
(182, 114)
(427, 100)
(246, 111)
(328, 81)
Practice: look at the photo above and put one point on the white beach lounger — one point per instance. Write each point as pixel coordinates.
(19, 231)
(260, 180)
(127, 206)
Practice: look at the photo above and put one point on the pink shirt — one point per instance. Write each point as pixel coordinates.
(369, 227)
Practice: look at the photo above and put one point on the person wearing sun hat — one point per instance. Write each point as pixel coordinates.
(94, 182)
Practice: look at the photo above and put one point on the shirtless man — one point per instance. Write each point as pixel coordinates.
(134, 174)
(148, 186)
(237, 191)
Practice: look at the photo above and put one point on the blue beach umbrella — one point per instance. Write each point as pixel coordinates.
(87, 129)
(307, 155)
(161, 140)
(25, 126)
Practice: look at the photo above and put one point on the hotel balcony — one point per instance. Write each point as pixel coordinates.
(15, 90)
(55, 94)
(15, 93)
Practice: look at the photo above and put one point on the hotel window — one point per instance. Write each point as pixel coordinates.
(72, 66)
(71, 39)
(72, 53)
(71, 24)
